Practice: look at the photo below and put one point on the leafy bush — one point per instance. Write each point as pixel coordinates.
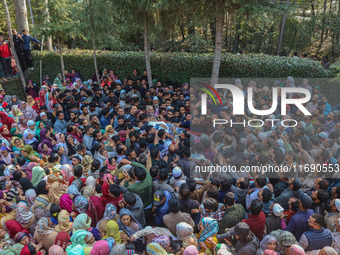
(178, 67)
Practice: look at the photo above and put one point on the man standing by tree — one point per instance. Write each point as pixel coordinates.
(27, 49)
(19, 49)
(5, 54)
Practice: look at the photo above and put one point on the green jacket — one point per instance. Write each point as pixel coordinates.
(144, 188)
(232, 216)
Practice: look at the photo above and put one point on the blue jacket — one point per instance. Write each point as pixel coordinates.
(27, 41)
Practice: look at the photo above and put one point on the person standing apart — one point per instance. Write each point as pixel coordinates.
(27, 49)
(19, 48)
(5, 53)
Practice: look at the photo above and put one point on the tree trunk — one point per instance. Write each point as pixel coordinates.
(313, 9)
(237, 35)
(218, 42)
(22, 77)
(146, 50)
(323, 24)
(95, 57)
(181, 27)
(282, 30)
(212, 25)
(49, 38)
(61, 58)
(21, 16)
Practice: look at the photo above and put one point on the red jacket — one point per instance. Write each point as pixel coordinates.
(5, 51)
(257, 224)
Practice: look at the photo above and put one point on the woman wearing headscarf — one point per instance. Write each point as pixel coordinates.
(89, 191)
(13, 227)
(64, 224)
(16, 132)
(6, 120)
(30, 155)
(62, 240)
(38, 127)
(66, 203)
(44, 150)
(95, 208)
(5, 133)
(16, 143)
(155, 249)
(41, 206)
(44, 231)
(112, 230)
(128, 224)
(191, 250)
(59, 149)
(55, 192)
(37, 104)
(118, 249)
(82, 221)
(76, 250)
(71, 145)
(79, 237)
(208, 229)
(6, 157)
(46, 139)
(30, 101)
(30, 196)
(14, 101)
(28, 111)
(269, 242)
(25, 184)
(16, 113)
(23, 122)
(185, 233)
(296, 249)
(24, 216)
(55, 250)
(38, 174)
(81, 204)
(100, 248)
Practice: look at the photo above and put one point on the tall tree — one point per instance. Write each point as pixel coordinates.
(218, 41)
(21, 15)
(282, 29)
(62, 24)
(9, 25)
(47, 15)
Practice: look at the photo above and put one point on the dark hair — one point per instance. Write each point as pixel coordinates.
(213, 193)
(261, 181)
(31, 249)
(192, 184)
(55, 209)
(130, 198)
(323, 184)
(175, 245)
(296, 184)
(21, 161)
(17, 175)
(226, 184)
(174, 205)
(41, 188)
(319, 219)
(115, 190)
(58, 113)
(267, 195)
(163, 174)
(154, 170)
(184, 191)
(256, 207)
(244, 184)
(78, 171)
(95, 164)
(210, 204)
(154, 152)
(295, 206)
(81, 147)
(229, 198)
(140, 173)
(322, 195)
(53, 158)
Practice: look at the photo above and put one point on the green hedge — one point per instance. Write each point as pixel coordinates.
(178, 67)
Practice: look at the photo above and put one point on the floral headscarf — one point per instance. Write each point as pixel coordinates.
(110, 212)
(164, 241)
(62, 239)
(264, 243)
(23, 213)
(82, 221)
(66, 172)
(81, 204)
(155, 249)
(43, 227)
(64, 223)
(30, 196)
(210, 228)
(73, 190)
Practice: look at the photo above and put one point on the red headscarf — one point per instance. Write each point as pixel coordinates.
(96, 210)
(42, 97)
(4, 119)
(62, 240)
(26, 251)
(8, 136)
(37, 105)
(14, 227)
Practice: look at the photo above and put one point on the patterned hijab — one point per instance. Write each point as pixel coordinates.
(210, 228)
(110, 212)
(155, 249)
(43, 227)
(80, 237)
(82, 221)
(64, 223)
(55, 192)
(23, 213)
(81, 204)
(264, 243)
(30, 196)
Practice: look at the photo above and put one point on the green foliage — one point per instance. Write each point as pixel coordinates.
(179, 67)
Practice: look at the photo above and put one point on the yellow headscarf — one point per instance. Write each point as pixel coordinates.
(112, 230)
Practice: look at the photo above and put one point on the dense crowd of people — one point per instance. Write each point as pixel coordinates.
(107, 167)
